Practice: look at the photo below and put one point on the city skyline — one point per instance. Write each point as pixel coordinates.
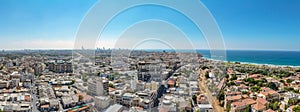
(149, 56)
(247, 25)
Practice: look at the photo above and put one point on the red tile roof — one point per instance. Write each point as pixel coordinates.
(259, 107)
(245, 96)
(111, 89)
(261, 101)
(233, 93)
(232, 98)
(238, 104)
(171, 82)
(249, 101)
(27, 98)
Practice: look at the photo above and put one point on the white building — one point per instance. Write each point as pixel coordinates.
(115, 108)
(97, 86)
(134, 82)
(102, 102)
(150, 71)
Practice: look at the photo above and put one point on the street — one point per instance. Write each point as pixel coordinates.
(211, 99)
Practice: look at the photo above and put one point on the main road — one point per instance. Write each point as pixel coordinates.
(33, 96)
(211, 99)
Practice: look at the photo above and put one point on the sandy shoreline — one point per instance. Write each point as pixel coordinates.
(258, 64)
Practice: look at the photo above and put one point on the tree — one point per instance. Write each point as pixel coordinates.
(285, 106)
(264, 80)
(275, 105)
(231, 83)
(293, 101)
(233, 77)
(207, 75)
(73, 81)
(296, 109)
(194, 97)
(80, 97)
(244, 92)
(265, 72)
(251, 80)
(228, 108)
(272, 85)
(198, 110)
(247, 109)
(269, 105)
(221, 96)
(290, 89)
(255, 88)
(289, 80)
(282, 81)
(259, 83)
(204, 67)
(84, 77)
(242, 70)
(227, 76)
(111, 85)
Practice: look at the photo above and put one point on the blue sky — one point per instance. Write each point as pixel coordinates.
(247, 24)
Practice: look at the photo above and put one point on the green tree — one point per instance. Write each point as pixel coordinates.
(293, 101)
(194, 97)
(73, 81)
(244, 92)
(111, 85)
(259, 83)
(269, 105)
(242, 71)
(289, 80)
(265, 72)
(251, 80)
(233, 77)
(272, 85)
(231, 83)
(197, 110)
(221, 96)
(227, 76)
(204, 67)
(285, 106)
(264, 80)
(207, 75)
(84, 77)
(247, 109)
(282, 81)
(296, 109)
(275, 105)
(255, 88)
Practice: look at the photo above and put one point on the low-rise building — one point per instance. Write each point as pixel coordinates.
(115, 108)
(102, 102)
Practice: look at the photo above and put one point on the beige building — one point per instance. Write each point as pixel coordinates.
(97, 86)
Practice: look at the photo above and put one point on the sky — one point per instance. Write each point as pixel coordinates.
(245, 25)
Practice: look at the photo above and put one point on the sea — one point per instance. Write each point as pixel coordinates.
(262, 57)
(279, 58)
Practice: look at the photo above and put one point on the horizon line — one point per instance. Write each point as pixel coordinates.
(58, 49)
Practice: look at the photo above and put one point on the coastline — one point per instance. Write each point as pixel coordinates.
(250, 63)
(272, 58)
